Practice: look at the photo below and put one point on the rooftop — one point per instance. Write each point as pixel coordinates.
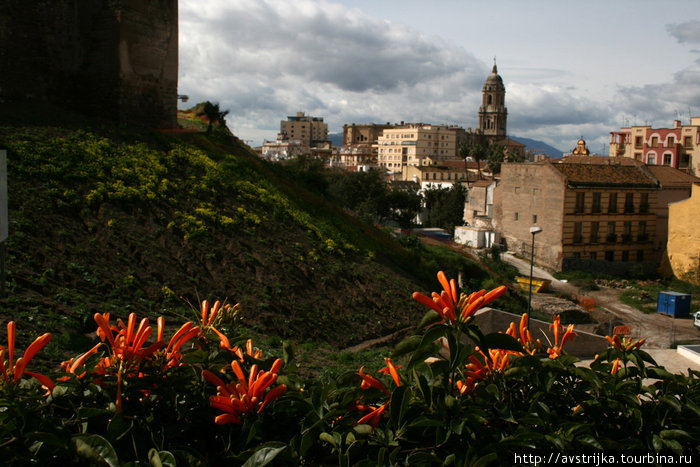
(606, 175)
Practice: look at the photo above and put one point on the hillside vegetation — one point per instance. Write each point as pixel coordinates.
(106, 221)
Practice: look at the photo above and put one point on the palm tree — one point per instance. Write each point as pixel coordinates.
(213, 114)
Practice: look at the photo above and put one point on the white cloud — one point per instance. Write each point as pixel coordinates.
(266, 59)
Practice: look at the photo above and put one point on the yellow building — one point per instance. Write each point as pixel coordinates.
(311, 131)
(677, 147)
(409, 144)
(684, 237)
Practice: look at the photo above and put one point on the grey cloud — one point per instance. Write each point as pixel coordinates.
(688, 31)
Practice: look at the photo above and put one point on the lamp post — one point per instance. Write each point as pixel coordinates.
(534, 230)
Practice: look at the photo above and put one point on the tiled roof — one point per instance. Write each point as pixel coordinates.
(605, 175)
(597, 160)
(670, 177)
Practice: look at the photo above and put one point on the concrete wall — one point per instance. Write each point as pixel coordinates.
(584, 345)
(110, 59)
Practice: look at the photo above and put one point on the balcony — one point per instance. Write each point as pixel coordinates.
(643, 237)
(644, 208)
(626, 238)
(611, 238)
(578, 238)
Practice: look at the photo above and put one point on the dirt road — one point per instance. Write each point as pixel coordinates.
(660, 331)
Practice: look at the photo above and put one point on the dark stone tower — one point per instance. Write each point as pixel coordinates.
(111, 59)
(493, 112)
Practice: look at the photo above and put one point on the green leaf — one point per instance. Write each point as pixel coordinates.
(161, 458)
(675, 434)
(590, 441)
(399, 404)
(328, 438)
(672, 402)
(118, 427)
(497, 340)
(95, 449)
(407, 345)
(364, 430)
(431, 317)
(265, 455)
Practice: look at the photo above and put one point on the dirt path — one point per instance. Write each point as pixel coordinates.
(660, 331)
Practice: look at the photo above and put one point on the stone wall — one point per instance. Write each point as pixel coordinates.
(110, 59)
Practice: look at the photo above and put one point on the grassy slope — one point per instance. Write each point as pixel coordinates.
(114, 222)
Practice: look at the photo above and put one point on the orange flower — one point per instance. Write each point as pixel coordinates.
(12, 371)
(615, 366)
(625, 344)
(454, 308)
(171, 355)
(522, 335)
(368, 381)
(70, 366)
(391, 370)
(373, 417)
(556, 327)
(246, 395)
(497, 361)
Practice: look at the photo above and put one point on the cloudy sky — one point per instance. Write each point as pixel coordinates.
(570, 68)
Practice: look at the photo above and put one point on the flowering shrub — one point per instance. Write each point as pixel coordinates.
(449, 394)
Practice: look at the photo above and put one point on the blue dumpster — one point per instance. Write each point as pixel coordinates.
(674, 304)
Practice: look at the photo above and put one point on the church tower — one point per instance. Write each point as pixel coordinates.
(493, 112)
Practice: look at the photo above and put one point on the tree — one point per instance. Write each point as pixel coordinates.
(478, 151)
(497, 155)
(213, 114)
(444, 207)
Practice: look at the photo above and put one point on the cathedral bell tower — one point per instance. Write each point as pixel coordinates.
(493, 112)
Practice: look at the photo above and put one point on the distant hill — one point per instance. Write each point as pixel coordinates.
(336, 138)
(539, 147)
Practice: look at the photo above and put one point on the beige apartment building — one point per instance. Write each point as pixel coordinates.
(677, 147)
(592, 215)
(311, 131)
(409, 144)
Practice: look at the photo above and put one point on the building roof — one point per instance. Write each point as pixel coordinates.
(483, 183)
(597, 160)
(670, 177)
(606, 175)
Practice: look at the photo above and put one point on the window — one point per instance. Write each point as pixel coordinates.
(627, 232)
(609, 255)
(638, 142)
(595, 227)
(611, 237)
(671, 141)
(596, 203)
(516, 216)
(638, 156)
(654, 141)
(668, 158)
(640, 256)
(593, 256)
(629, 203)
(534, 218)
(688, 142)
(644, 203)
(642, 235)
(612, 202)
(625, 255)
(580, 202)
(577, 255)
(578, 232)
(651, 159)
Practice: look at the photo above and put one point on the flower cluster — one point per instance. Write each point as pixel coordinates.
(11, 371)
(456, 308)
(626, 344)
(244, 395)
(368, 381)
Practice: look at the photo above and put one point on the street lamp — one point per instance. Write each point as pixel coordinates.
(534, 230)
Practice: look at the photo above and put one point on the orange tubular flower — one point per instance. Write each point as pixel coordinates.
(615, 366)
(496, 362)
(625, 344)
(556, 327)
(12, 371)
(522, 335)
(391, 370)
(454, 308)
(170, 356)
(244, 395)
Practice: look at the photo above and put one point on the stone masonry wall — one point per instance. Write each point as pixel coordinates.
(105, 58)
